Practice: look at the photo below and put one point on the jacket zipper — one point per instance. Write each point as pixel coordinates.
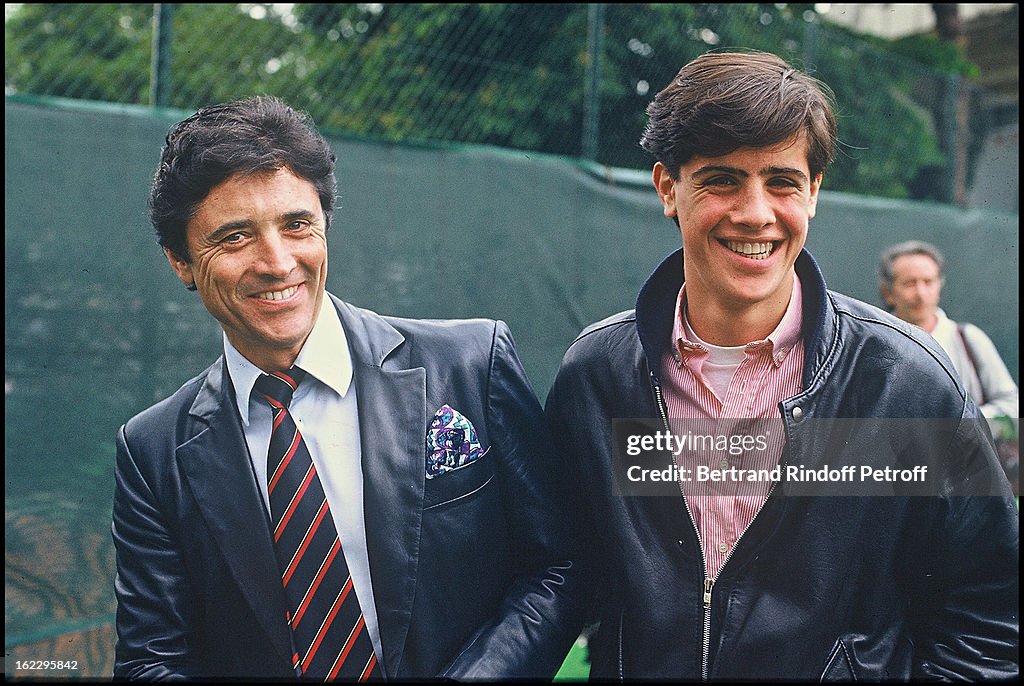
(622, 619)
(708, 582)
(706, 645)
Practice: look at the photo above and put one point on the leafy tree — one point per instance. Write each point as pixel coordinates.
(97, 52)
(498, 74)
(509, 75)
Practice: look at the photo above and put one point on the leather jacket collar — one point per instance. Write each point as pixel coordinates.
(655, 309)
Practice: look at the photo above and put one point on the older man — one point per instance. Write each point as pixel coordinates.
(341, 495)
(910, 279)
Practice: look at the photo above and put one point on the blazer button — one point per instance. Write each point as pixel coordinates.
(798, 412)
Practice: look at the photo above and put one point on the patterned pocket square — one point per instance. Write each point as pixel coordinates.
(451, 442)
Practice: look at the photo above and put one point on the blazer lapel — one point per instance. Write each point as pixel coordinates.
(216, 465)
(392, 426)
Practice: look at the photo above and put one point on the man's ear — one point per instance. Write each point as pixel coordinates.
(812, 205)
(665, 185)
(182, 268)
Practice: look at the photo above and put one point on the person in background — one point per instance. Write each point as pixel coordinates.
(910, 279)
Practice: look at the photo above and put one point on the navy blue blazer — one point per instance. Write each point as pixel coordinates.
(473, 571)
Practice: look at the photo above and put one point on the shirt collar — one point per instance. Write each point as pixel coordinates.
(779, 342)
(324, 356)
(944, 329)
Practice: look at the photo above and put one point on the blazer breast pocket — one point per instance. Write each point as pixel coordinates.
(459, 484)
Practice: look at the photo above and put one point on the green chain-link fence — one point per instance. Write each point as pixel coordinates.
(566, 79)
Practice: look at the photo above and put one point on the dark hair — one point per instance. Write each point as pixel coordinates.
(888, 258)
(723, 101)
(253, 135)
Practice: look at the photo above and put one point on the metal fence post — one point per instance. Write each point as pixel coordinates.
(160, 62)
(592, 85)
(954, 139)
(960, 145)
(810, 45)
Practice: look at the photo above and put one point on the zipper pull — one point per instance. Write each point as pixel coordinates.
(708, 583)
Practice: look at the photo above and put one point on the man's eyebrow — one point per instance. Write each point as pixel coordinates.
(772, 171)
(718, 168)
(229, 227)
(767, 171)
(298, 214)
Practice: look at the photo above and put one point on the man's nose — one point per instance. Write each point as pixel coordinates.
(754, 208)
(275, 257)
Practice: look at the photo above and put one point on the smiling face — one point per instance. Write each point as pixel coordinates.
(259, 262)
(743, 217)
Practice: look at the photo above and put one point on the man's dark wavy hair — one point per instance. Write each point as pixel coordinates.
(255, 135)
(724, 101)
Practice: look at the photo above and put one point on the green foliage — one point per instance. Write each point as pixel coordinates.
(934, 52)
(78, 51)
(1007, 428)
(646, 45)
(576, 666)
(510, 75)
(463, 72)
(888, 138)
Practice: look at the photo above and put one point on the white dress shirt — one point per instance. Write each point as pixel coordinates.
(324, 408)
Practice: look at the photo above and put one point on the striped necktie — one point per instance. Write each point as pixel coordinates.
(330, 636)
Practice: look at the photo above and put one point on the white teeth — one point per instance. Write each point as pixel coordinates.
(278, 295)
(757, 251)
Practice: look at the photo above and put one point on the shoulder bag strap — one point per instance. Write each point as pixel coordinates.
(973, 361)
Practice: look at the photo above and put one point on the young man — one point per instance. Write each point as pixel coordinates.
(341, 495)
(735, 564)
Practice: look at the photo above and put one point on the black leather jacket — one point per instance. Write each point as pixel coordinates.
(898, 586)
(473, 572)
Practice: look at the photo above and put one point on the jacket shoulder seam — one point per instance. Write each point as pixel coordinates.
(623, 318)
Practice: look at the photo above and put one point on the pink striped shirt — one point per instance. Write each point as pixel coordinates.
(769, 372)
